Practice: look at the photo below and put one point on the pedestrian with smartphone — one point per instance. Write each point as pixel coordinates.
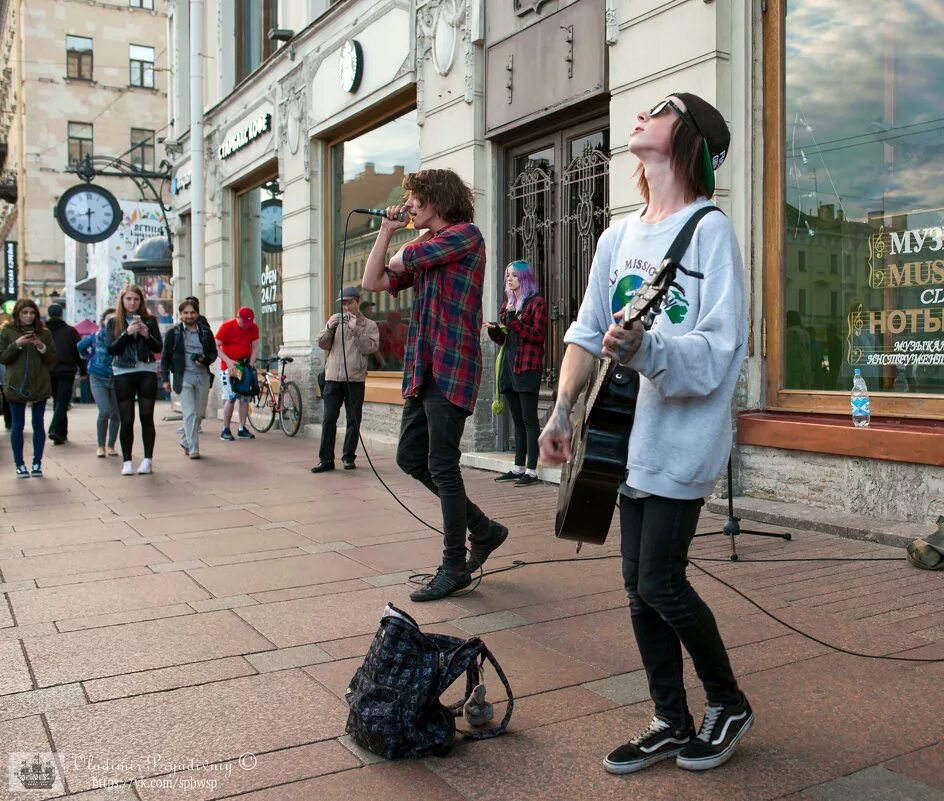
(27, 350)
(133, 340)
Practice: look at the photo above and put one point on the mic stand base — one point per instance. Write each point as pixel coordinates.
(732, 527)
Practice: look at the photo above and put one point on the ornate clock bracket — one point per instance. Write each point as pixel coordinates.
(91, 167)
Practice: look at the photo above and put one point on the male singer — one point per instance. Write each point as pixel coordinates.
(442, 361)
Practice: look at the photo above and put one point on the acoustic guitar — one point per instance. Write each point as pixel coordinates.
(590, 480)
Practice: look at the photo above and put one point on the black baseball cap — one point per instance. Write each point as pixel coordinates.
(713, 129)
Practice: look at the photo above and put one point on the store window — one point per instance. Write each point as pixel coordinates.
(254, 20)
(141, 66)
(79, 57)
(367, 172)
(259, 261)
(143, 4)
(861, 182)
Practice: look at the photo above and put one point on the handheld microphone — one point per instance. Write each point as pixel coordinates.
(402, 216)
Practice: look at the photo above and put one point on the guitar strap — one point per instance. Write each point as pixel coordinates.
(683, 240)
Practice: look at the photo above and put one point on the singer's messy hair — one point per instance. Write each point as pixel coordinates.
(443, 189)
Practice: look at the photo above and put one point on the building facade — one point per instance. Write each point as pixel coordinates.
(831, 184)
(88, 77)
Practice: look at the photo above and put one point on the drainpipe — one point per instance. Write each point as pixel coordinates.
(198, 185)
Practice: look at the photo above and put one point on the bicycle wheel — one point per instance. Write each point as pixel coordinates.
(290, 410)
(262, 410)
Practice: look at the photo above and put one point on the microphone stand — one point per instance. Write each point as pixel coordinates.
(732, 527)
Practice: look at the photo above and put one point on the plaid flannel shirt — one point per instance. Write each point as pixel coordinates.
(530, 324)
(446, 273)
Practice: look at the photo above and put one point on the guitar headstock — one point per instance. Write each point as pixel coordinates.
(648, 298)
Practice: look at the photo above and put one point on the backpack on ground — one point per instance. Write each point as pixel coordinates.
(393, 697)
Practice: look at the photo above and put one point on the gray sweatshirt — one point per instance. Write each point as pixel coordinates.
(689, 360)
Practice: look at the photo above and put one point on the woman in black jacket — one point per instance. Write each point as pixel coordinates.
(133, 339)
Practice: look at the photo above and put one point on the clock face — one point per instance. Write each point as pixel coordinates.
(350, 65)
(88, 213)
(270, 224)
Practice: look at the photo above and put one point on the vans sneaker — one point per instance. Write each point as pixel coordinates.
(720, 732)
(37, 471)
(660, 741)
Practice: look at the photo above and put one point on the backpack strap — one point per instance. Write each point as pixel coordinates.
(684, 238)
(493, 731)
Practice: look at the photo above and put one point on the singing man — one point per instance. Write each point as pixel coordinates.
(442, 362)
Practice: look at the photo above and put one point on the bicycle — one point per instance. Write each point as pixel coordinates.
(277, 395)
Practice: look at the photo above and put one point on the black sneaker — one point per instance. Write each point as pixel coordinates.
(720, 732)
(227, 436)
(323, 467)
(37, 471)
(441, 585)
(482, 549)
(511, 475)
(350, 466)
(244, 433)
(21, 471)
(527, 480)
(660, 741)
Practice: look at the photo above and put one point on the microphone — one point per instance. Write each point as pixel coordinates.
(402, 216)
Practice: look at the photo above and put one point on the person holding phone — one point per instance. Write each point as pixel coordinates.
(27, 350)
(520, 331)
(133, 340)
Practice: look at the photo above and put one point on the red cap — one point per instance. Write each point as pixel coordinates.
(245, 313)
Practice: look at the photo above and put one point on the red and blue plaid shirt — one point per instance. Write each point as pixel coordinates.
(447, 273)
(530, 324)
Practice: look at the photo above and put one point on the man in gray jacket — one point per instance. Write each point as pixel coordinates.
(349, 338)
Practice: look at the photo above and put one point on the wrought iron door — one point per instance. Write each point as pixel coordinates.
(558, 206)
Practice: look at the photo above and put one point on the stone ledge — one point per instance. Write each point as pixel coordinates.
(826, 521)
(500, 462)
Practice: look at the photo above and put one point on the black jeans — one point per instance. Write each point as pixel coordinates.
(430, 431)
(666, 612)
(334, 394)
(61, 398)
(140, 386)
(524, 413)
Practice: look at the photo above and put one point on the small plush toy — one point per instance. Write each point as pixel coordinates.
(477, 711)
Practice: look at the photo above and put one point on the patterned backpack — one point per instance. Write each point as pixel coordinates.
(394, 696)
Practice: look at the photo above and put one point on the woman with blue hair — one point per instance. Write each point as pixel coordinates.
(521, 331)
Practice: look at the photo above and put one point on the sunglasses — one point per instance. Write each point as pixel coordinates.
(662, 105)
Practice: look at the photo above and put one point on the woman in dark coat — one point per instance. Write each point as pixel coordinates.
(27, 351)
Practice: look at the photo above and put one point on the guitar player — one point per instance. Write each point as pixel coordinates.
(688, 362)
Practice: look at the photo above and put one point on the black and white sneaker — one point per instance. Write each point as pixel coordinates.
(244, 433)
(660, 741)
(720, 732)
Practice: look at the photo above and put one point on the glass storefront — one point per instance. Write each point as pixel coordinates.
(367, 172)
(864, 199)
(259, 261)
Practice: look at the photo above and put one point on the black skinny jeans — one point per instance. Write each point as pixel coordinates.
(524, 413)
(350, 394)
(62, 386)
(430, 431)
(140, 387)
(666, 611)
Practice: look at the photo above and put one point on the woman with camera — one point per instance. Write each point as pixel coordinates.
(27, 351)
(189, 350)
(133, 339)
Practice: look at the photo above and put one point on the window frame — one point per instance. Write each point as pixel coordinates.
(142, 4)
(82, 56)
(143, 64)
(270, 15)
(146, 145)
(70, 139)
(777, 398)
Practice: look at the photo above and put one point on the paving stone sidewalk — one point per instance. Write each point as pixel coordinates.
(190, 634)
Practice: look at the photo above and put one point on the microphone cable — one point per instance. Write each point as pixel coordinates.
(419, 579)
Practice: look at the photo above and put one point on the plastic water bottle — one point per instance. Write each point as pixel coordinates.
(861, 413)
